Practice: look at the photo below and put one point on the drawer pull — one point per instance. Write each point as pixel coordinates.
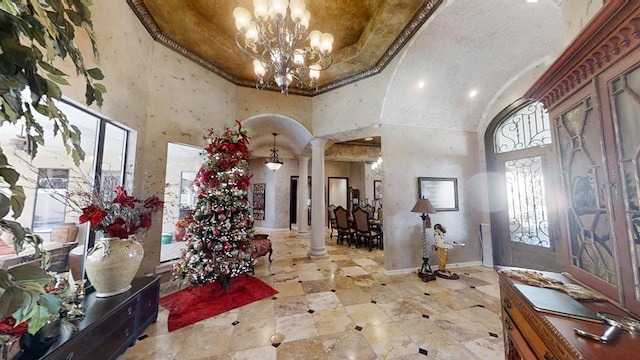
(149, 303)
(506, 303)
(126, 332)
(70, 356)
(547, 356)
(129, 311)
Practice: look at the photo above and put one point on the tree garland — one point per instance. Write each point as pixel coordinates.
(218, 237)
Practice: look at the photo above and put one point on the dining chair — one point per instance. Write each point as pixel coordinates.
(332, 219)
(364, 231)
(344, 229)
(370, 210)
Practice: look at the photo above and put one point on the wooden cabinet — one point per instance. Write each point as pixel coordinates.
(592, 93)
(110, 324)
(532, 334)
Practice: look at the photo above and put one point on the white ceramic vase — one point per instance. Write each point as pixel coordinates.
(112, 263)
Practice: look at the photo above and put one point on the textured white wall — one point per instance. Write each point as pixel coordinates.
(432, 153)
(576, 14)
(161, 95)
(355, 106)
(277, 192)
(252, 102)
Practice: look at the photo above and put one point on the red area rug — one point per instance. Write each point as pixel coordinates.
(193, 304)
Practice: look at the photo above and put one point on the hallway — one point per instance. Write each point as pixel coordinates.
(342, 307)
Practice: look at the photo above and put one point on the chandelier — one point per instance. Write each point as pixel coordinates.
(273, 162)
(376, 166)
(277, 43)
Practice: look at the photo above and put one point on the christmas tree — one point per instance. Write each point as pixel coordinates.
(218, 237)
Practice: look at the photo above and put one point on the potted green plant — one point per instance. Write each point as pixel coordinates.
(32, 35)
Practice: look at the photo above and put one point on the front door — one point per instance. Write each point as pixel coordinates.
(524, 223)
(525, 232)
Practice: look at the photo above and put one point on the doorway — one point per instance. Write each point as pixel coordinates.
(293, 204)
(523, 217)
(338, 192)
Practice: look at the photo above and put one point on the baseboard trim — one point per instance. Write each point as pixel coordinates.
(268, 230)
(449, 266)
(465, 264)
(165, 267)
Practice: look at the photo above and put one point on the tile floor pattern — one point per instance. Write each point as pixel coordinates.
(341, 307)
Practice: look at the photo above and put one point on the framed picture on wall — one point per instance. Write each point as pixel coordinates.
(441, 192)
(377, 189)
(258, 201)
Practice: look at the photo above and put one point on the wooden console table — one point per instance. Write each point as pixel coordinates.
(531, 334)
(110, 325)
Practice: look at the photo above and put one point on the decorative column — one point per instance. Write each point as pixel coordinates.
(303, 195)
(318, 206)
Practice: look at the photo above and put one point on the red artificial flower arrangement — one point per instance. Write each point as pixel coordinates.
(231, 151)
(8, 327)
(125, 215)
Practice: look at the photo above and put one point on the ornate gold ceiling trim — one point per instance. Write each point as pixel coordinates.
(429, 7)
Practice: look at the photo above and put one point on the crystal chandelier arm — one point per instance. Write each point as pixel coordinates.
(273, 40)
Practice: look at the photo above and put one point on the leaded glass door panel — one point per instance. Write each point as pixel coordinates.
(624, 96)
(592, 246)
(526, 239)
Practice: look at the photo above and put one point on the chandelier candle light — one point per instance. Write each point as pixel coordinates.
(273, 162)
(376, 166)
(275, 42)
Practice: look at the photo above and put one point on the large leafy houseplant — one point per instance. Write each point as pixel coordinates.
(34, 33)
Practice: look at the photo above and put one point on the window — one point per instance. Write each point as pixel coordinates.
(49, 177)
(51, 190)
(183, 163)
(526, 128)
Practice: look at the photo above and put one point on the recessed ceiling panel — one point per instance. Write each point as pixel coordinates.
(367, 34)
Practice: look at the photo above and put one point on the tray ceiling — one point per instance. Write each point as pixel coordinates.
(367, 33)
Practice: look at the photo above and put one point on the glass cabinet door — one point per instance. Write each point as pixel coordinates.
(624, 95)
(592, 247)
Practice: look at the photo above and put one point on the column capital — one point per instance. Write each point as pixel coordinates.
(318, 142)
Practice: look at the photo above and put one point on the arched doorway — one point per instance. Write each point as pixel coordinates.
(524, 223)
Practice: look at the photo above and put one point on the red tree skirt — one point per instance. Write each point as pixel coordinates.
(193, 304)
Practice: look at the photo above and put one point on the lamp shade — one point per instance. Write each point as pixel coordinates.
(274, 165)
(423, 206)
(273, 162)
(243, 18)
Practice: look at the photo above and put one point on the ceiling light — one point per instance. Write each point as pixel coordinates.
(473, 93)
(368, 139)
(273, 162)
(276, 42)
(421, 84)
(532, 1)
(376, 167)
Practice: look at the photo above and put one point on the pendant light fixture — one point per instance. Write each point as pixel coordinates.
(273, 162)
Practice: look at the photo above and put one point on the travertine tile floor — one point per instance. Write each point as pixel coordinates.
(342, 307)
